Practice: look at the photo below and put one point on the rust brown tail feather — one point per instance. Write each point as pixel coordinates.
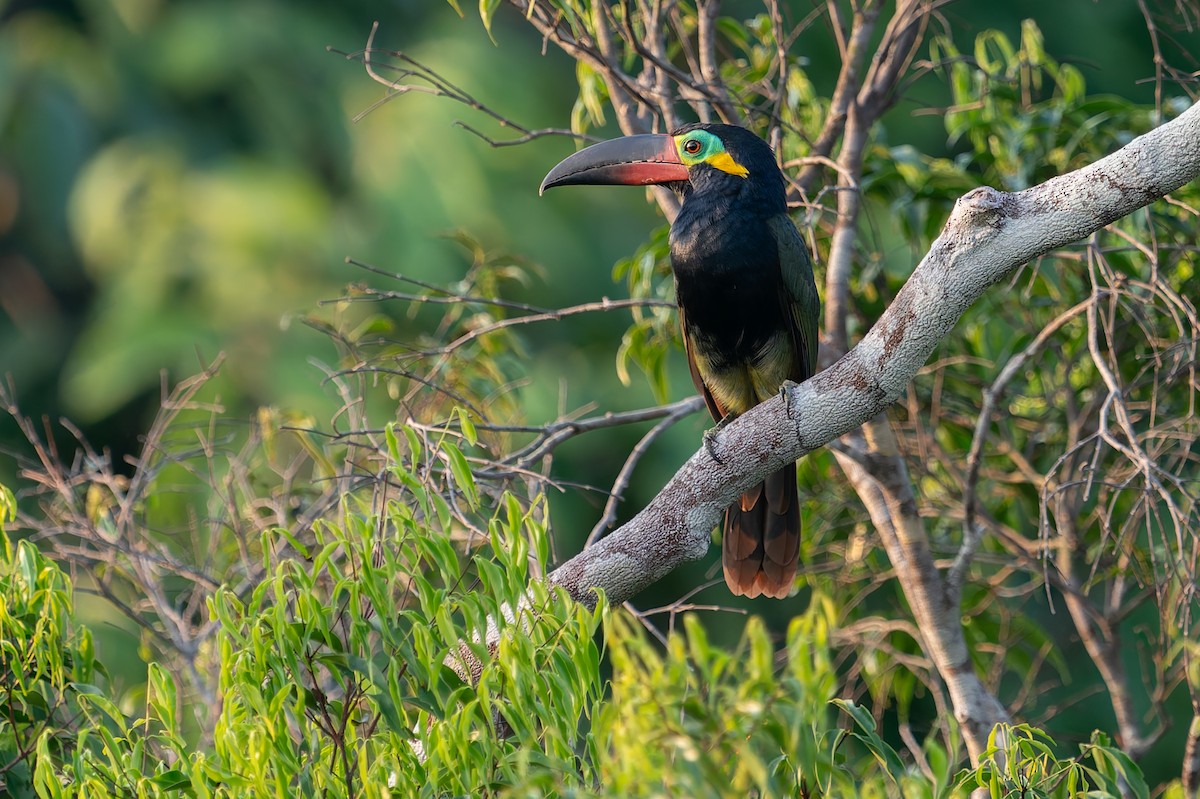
(762, 537)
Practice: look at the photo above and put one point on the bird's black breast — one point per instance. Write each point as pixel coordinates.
(727, 279)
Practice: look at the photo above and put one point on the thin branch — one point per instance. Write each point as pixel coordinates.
(710, 71)
(616, 494)
(854, 50)
(408, 68)
(1190, 772)
(555, 434)
(991, 395)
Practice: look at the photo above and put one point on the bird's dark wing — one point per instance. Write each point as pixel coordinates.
(714, 409)
(802, 305)
(741, 540)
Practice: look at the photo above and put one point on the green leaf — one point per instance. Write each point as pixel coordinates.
(8, 512)
(381, 696)
(1115, 763)
(161, 695)
(893, 766)
(487, 10)
(467, 426)
(461, 470)
(174, 780)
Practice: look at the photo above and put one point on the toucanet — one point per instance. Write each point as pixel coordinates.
(748, 305)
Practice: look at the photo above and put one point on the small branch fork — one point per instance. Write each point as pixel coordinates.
(409, 75)
(429, 369)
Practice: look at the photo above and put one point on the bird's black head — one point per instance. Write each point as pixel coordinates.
(726, 159)
(708, 159)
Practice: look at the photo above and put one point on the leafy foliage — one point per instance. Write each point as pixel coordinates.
(61, 733)
(1020, 761)
(335, 672)
(337, 679)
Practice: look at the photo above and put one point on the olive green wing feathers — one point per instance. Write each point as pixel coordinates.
(799, 294)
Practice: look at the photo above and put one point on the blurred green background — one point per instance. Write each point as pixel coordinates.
(179, 179)
(183, 178)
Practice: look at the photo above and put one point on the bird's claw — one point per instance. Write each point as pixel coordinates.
(785, 394)
(710, 436)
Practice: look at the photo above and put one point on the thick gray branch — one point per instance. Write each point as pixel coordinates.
(988, 236)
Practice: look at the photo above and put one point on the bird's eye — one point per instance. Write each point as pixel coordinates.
(691, 146)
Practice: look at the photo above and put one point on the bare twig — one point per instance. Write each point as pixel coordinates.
(406, 69)
(991, 395)
(616, 494)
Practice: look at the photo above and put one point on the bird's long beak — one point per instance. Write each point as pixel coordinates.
(630, 161)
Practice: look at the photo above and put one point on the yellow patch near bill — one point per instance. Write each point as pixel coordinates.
(725, 163)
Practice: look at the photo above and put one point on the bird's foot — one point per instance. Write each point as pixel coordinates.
(711, 435)
(785, 394)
